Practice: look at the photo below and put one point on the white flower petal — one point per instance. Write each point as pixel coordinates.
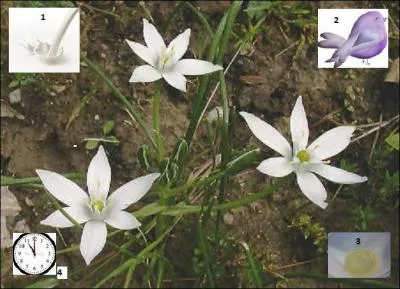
(275, 167)
(299, 126)
(79, 213)
(312, 187)
(152, 38)
(332, 142)
(336, 175)
(62, 188)
(99, 175)
(131, 192)
(175, 79)
(122, 220)
(195, 67)
(145, 73)
(142, 51)
(93, 239)
(178, 45)
(267, 134)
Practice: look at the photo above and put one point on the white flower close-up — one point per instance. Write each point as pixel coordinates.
(96, 208)
(302, 159)
(165, 61)
(359, 255)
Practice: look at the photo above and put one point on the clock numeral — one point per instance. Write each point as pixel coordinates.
(19, 253)
(49, 253)
(47, 260)
(47, 246)
(22, 245)
(21, 260)
(41, 265)
(34, 238)
(34, 268)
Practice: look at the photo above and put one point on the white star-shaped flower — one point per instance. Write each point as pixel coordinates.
(302, 159)
(96, 209)
(165, 62)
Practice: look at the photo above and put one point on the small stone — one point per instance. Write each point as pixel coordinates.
(15, 96)
(28, 202)
(228, 218)
(21, 227)
(103, 55)
(59, 88)
(96, 117)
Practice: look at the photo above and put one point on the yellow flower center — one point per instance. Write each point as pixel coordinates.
(303, 156)
(360, 262)
(97, 206)
(167, 56)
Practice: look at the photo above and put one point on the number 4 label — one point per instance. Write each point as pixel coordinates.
(62, 272)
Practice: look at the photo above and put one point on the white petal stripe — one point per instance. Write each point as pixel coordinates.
(299, 126)
(332, 142)
(93, 239)
(80, 214)
(145, 73)
(267, 134)
(175, 79)
(195, 67)
(275, 167)
(179, 45)
(63, 189)
(337, 175)
(142, 51)
(152, 38)
(312, 188)
(99, 175)
(131, 192)
(122, 220)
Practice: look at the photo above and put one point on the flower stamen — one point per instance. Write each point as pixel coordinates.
(303, 156)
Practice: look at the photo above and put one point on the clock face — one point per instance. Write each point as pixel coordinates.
(34, 254)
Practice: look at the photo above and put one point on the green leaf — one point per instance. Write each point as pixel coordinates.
(393, 140)
(91, 144)
(13, 83)
(44, 283)
(144, 157)
(108, 127)
(242, 162)
(112, 139)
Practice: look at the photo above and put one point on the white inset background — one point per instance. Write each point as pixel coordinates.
(26, 26)
(346, 20)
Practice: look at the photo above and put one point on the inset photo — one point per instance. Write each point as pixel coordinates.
(44, 40)
(353, 38)
(359, 255)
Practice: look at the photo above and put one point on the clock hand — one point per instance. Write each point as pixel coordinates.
(34, 247)
(31, 248)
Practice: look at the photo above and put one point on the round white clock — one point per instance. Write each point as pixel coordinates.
(34, 253)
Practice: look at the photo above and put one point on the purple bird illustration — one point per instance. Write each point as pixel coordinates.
(367, 38)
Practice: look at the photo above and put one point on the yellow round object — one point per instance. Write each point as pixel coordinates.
(361, 262)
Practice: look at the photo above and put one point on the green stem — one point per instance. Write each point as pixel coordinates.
(122, 98)
(133, 262)
(202, 18)
(58, 206)
(156, 121)
(225, 148)
(7, 181)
